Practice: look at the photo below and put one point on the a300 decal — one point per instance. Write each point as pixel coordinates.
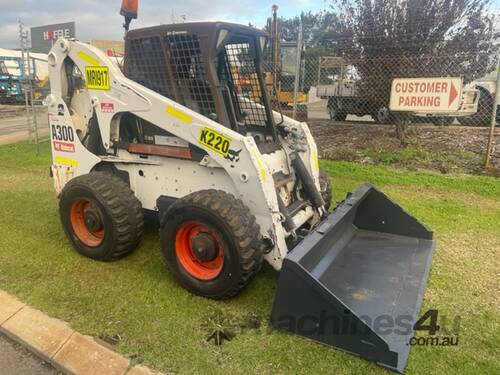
(63, 138)
(62, 133)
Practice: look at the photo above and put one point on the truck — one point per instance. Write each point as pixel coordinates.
(338, 84)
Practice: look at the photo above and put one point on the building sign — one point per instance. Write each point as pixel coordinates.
(43, 37)
(426, 94)
(54, 34)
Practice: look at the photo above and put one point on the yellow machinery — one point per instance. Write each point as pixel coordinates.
(282, 73)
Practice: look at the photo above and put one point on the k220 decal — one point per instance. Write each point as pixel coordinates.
(215, 141)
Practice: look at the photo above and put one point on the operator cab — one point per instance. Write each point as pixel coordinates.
(213, 68)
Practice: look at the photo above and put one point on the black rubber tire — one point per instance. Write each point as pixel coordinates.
(121, 214)
(336, 114)
(325, 188)
(484, 110)
(239, 233)
(383, 116)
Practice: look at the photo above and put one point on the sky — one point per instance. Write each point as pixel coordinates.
(100, 19)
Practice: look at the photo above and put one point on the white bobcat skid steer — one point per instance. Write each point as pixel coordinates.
(185, 128)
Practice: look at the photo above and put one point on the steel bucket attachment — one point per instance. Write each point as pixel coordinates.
(357, 281)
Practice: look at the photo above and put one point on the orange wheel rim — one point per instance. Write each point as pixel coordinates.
(199, 251)
(86, 222)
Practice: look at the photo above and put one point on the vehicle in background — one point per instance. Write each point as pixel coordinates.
(338, 81)
(13, 76)
(282, 64)
(284, 78)
(11, 90)
(486, 87)
(465, 114)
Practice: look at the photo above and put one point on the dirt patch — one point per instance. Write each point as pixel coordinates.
(442, 148)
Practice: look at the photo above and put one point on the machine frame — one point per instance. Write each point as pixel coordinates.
(249, 176)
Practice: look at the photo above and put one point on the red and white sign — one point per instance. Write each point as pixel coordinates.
(112, 53)
(64, 146)
(107, 107)
(426, 94)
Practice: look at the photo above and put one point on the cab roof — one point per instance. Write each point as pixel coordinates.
(195, 28)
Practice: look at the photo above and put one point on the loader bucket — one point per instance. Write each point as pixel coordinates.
(357, 281)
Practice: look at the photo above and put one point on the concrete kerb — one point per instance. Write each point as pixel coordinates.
(55, 342)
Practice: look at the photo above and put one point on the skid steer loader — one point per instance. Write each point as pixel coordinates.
(233, 182)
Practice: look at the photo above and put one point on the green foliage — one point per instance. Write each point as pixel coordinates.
(416, 27)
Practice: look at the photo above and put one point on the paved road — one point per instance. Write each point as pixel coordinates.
(19, 123)
(15, 360)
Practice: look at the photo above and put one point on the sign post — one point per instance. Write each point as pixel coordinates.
(489, 145)
(434, 95)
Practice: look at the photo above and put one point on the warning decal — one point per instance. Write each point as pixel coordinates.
(107, 107)
(63, 146)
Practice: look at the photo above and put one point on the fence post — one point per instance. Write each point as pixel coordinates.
(31, 78)
(297, 71)
(23, 81)
(489, 145)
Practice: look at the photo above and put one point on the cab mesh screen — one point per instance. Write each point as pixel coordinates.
(173, 67)
(146, 65)
(241, 77)
(189, 73)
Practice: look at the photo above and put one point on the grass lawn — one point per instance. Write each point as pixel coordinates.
(166, 327)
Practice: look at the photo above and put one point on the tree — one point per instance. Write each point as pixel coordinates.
(385, 39)
(317, 29)
(414, 38)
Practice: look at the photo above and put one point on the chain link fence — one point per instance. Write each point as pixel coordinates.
(309, 83)
(358, 89)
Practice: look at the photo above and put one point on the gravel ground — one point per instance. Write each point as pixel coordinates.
(351, 141)
(16, 360)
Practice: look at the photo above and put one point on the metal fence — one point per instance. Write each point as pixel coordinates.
(358, 89)
(307, 82)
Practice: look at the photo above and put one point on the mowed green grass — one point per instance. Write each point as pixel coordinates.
(166, 327)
